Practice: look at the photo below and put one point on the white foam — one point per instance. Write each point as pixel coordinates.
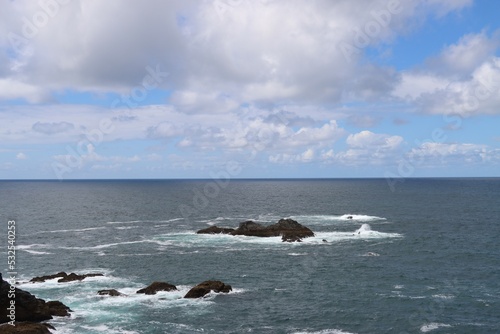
(36, 252)
(441, 296)
(24, 247)
(188, 239)
(328, 219)
(432, 326)
(125, 222)
(297, 254)
(75, 230)
(326, 331)
(126, 227)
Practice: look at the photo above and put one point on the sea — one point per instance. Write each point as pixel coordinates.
(413, 256)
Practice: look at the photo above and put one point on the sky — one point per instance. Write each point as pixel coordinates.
(249, 89)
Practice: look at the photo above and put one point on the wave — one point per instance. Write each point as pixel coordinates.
(145, 221)
(328, 219)
(191, 239)
(36, 252)
(325, 331)
(432, 326)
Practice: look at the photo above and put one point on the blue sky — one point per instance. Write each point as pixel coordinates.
(250, 89)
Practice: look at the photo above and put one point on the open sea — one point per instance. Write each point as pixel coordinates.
(424, 258)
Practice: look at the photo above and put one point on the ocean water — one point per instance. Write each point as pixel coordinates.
(422, 259)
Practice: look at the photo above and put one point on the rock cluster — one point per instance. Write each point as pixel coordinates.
(28, 310)
(64, 277)
(289, 230)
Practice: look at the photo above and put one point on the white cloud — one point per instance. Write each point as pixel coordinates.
(21, 156)
(218, 54)
(368, 148)
(432, 154)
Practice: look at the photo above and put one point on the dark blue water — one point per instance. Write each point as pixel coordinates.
(427, 258)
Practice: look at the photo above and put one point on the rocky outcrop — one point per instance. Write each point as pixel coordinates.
(216, 230)
(154, 287)
(109, 292)
(48, 277)
(63, 277)
(27, 306)
(289, 230)
(26, 328)
(75, 277)
(205, 287)
(58, 309)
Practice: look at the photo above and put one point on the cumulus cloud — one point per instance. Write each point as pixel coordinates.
(368, 148)
(463, 79)
(214, 51)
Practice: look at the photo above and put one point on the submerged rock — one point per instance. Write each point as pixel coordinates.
(205, 287)
(154, 287)
(289, 230)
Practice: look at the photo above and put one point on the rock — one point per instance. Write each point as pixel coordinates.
(63, 277)
(58, 309)
(154, 287)
(75, 277)
(205, 287)
(290, 237)
(349, 217)
(216, 230)
(110, 292)
(44, 278)
(288, 229)
(26, 328)
(250, 228)
(28, 307)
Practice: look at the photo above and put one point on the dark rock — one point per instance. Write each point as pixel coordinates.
(63, 277)
(349, 217)
(58, 309)
(110, 292)
(205, 287)
(250, 228)
(75, 277)
(28, 307)
(216, 230)
(26, 328)
(154, 287)
(44, 278)
(288, 229)
(290, 237)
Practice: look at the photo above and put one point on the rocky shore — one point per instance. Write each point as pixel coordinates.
(31, 312)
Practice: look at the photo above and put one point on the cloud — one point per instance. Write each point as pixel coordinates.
(52, 128)
(368, 148)
(434, 154)
(21, 156)
(218, 54)
(464, 79)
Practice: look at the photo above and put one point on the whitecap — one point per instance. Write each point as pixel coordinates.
(432, 326)
(75, 230)
(442, 296)
(36, 252)
(326, 331)
(328, 219)
(297, 254)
